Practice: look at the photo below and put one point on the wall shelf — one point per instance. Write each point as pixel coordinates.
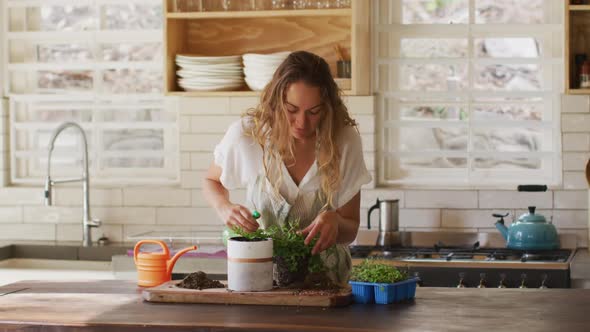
(261, 13)
(270, 31)
(577, 41)
(579, 7)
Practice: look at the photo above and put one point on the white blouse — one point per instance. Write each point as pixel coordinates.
(240, 160)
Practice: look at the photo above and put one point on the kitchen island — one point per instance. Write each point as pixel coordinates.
(114, 305)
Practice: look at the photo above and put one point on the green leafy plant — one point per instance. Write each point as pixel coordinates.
(289, 244)
(371, 270)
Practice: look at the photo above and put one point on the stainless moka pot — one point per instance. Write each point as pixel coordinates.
(389, 235)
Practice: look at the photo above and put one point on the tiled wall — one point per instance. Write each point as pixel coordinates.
(131, 210)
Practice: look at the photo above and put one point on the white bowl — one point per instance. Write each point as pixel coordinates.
(208, 59)
(279, 56)
(248, 71)
(256, 84)
(217, 87)
(209, 73)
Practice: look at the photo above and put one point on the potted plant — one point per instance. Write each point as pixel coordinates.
(294, 265)
(250, 263)
(375, 281)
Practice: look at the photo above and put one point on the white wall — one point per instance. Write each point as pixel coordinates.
(131, 210)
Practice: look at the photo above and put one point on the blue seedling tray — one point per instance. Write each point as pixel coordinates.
(372, 292)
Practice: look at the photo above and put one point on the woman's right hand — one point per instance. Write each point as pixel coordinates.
(235, 215)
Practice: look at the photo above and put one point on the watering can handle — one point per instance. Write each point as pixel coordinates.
(376, 206)
(138, 244)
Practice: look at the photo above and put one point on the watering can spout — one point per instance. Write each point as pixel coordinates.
(172, 261)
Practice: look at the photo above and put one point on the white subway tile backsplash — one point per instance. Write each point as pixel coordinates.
(570, 219)
(359, 104)
(156, 196)
(187, 216)
(457, 199)
(185, 161)
(575, 104)
(366, 124)
(197, 198)
(125, 215)
(239, 105)
(184, 124)
(581, 236)
(505, 199)
(192, 179)
(574, 180)
(52, 214)
(199, 142)
(576, 142)
(211, 124)
(11, 215)
(200, 161)
(571, 199)
(73, 232)
(369, 197)
(189, 230)
(204, 106)
(575, 161)
(21, 196)
(470, 218)
(575, 123)
(37, 232)
(416, 218)
(98, 197)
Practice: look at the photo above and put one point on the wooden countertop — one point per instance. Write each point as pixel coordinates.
(117, 305)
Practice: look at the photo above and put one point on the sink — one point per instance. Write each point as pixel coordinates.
(56, 262)
(17, 269)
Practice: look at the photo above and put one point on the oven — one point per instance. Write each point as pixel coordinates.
(444, 266)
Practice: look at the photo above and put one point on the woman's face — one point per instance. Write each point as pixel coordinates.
(304, 109)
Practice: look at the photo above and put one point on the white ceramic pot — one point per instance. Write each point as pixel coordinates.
(249, 265)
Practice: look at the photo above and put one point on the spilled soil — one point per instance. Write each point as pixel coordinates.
(199, 280)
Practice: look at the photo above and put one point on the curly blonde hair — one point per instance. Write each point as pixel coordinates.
(270, 128)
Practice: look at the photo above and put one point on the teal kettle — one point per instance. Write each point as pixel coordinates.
(531, 231)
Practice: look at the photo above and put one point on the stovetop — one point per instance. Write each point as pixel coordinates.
(471, 266)
(464, 255)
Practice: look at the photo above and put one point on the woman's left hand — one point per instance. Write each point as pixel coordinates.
(326, 225)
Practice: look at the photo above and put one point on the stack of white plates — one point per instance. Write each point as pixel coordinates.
(209, 73)
(259, 68)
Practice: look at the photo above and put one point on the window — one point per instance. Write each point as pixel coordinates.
(468, 91)
(98, 63)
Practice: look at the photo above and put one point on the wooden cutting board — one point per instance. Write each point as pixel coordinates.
(168, 292)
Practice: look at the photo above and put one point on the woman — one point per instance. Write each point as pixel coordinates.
(300, 157)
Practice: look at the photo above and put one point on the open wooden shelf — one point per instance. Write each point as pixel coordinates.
(261, 13)
(578, 91)
(270, 31)
(579, 7)
(577, 41)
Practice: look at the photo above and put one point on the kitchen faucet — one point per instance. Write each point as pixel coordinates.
(87, 222)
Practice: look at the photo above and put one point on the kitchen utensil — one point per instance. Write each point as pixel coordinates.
(531, 231)
(155, 268)
(388, 222)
